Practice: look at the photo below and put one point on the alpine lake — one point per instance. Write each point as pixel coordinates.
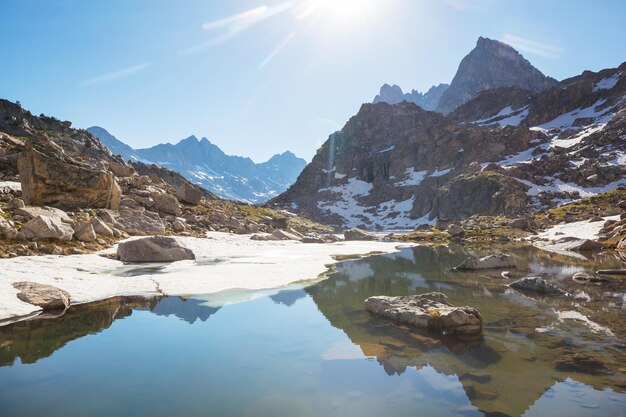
(311, 349)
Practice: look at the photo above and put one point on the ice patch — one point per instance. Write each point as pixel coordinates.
(223, 262)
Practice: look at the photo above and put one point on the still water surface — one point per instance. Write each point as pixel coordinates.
(314, 351)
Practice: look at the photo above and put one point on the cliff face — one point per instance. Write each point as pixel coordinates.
(503, 152)
(491, 64)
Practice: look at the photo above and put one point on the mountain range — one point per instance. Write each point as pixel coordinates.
(505, 139)
(491, 64)
(205, 164)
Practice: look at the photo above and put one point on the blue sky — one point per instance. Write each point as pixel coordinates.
(261, 77)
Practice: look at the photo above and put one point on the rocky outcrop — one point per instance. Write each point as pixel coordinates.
(153, 249)
(488, 262)
(427, 311)
(537, 285)
(43, 227)
(50, 176)
(357, 234)
(45, 296)
(489, 65)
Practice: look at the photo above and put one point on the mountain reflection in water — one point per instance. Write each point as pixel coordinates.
(539, 355)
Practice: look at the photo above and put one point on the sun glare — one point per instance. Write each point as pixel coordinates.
(339, 12)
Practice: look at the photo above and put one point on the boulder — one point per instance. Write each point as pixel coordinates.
(584, 278)
(189, 194)
(166, 203)
(101, 228)
(84, 233)
(121, 170)
(285, 235)
(427, 311)
(488, 262)
(7, 230)
(45, 296)
(455, 230)
(43, 227)
(536, 284)
(264, 237)
(134, 222)
(49, 176)
(153, 249)
(32, 212)
(357, 234)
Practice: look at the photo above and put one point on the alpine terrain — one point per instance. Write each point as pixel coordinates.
(205, 164)
(505, 140)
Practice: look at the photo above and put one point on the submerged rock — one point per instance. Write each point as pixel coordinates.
(488, 262)
(427, 311)
(583, 278)
(357, 234)
(153, 249)
(536, 284)
(45, 296)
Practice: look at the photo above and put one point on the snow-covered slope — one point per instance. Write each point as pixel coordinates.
(504, 152)
(205, 164)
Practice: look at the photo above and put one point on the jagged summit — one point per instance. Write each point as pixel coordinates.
(205, 164)
(489, 65)
(393, 94)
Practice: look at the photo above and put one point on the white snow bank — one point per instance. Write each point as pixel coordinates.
(607, 83)
(223, 262)
(13, 185)
(580, 230)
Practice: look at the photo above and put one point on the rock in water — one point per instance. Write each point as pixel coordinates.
(538, 285)
(44, 227)
(49, 176)
(427, 311)
(488, 262)
(357, 234)
(153, 249)
(45, 296)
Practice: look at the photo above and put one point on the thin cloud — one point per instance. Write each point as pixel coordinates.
(116, 75)
(230, 27)
(532, 47)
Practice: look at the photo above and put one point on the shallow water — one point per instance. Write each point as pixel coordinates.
(314, 351)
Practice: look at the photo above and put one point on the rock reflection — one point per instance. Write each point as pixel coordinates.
(515, 364)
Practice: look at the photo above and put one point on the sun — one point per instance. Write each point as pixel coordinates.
(346, 10)
(342, 13)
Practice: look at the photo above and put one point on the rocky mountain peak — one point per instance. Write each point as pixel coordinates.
(492, 64)
(393, 94)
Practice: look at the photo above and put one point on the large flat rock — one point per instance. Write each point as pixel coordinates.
(427, 311)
